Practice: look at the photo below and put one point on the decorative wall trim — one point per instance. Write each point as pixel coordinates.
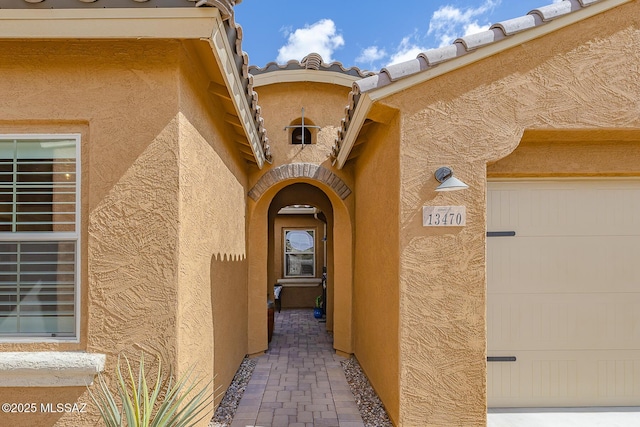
(49, 368)
(300, 170)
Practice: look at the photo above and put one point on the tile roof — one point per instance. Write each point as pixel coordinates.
(313, 61)
(234, 33)
(433, 57)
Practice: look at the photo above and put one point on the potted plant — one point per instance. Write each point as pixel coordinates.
(318, 311)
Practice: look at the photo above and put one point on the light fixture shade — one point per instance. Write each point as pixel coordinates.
(448, 182)
(452, 184)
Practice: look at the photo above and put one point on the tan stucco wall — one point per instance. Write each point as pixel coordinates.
(376, 275)
(127, 158)
(576, 78)
(150, 183)
(571, 153)
(281, 105)
(213, 285)
(339, 266)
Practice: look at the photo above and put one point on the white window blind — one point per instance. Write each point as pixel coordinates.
(39, 237)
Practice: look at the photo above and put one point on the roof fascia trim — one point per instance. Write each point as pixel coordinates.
(494, 48)
(349, 140)
(153, 23)
(203, 23)
(299, 76)
(222, 50)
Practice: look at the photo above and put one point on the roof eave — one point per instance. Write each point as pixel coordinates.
(359, 116)
(225, 60)
(370, 96)
(493, 49)
(192, 23)
(297, 76)
(89, 23)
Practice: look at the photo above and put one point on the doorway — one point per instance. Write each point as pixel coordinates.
(320, 221)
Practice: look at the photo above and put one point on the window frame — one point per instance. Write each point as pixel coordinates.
(50, 236)
(285, 253)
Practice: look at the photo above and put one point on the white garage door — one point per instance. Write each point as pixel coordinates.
(563, 293)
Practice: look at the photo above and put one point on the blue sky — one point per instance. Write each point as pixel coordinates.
(367, 34)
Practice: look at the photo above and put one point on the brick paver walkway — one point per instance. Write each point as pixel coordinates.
(299, 382)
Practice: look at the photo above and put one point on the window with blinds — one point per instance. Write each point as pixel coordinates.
(39, 235)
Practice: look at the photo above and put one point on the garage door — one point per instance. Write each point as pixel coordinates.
(563, 309)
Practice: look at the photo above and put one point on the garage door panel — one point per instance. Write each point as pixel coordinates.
(563, 264)
(567, 378)
(574, 209)
(564, 293)
(563, 322)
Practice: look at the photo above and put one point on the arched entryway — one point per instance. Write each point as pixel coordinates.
(288, 186)
(300, 244)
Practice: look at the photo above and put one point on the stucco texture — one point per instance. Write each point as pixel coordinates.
(376, 277)
(213, 278)
(60, 86)
(154, 224)
(576, 78)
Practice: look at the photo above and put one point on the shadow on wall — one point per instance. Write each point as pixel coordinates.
(230, 312)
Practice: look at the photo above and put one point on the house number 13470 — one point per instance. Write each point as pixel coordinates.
(444, 216)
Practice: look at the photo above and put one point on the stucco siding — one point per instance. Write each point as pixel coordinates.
(129, 190)
(376, 274)
(574, 79)
(571, 153)
(213, 279)
(164, 201)
(212, 235)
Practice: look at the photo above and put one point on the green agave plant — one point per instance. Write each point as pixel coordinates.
(169, 403)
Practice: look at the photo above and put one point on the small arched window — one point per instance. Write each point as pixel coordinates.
(302, 131)
(301, 135)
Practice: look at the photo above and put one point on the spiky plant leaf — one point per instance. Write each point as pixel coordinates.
(169, 403)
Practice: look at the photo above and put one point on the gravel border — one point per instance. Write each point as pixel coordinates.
(227, 408)
(371, 408)
(369, 404)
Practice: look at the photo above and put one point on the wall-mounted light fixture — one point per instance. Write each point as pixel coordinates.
(447, 181)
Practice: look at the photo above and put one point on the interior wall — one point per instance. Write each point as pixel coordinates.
(376, 272)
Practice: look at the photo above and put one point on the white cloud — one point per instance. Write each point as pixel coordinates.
(474, 28)
(320, 37)
(371, 55)
(406, 51)
(450, 22)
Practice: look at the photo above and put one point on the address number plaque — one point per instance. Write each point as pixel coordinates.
(444, 216)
